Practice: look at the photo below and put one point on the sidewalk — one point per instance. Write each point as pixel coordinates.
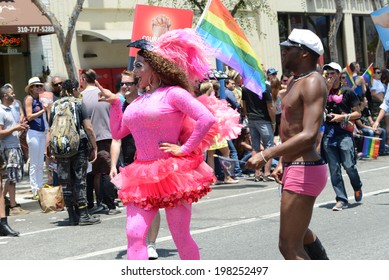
(24, 194)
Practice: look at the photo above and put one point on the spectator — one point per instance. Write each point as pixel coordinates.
(72, 170)
(338, 143)
(36, 114)
(98, 112)
(261, 122)
(12, 153)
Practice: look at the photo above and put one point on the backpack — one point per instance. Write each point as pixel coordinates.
(64, 135)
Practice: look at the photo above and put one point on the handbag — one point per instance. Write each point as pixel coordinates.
(348, 125)
(51, 198)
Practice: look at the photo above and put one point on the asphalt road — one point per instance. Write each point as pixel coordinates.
(234, 222)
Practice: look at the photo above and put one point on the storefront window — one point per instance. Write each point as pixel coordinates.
(317, 23)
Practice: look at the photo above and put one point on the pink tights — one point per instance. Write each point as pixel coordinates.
(178, 219)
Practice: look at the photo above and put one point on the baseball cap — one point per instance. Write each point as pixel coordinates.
(333, 65)
(306, 39)
(271, 71)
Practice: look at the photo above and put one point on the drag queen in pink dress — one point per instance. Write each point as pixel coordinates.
(171, 129)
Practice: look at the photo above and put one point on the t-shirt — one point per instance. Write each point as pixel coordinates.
(7, 121)
(257, 108)
(385, 105)
(98, 112)
(348, 101)
(15, 107)
(231, 99)
(378, 87)
(128, 144)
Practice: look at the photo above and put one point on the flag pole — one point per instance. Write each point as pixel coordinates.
(219, 67)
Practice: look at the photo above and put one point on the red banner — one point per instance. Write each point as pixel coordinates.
(150, 22)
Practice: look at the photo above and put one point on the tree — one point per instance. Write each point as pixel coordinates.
(64, 41)
(334, 27)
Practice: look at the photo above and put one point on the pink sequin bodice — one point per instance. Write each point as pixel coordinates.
(158, 117)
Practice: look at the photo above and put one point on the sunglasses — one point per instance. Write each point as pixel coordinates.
(38, 86)
(285, 80)
(378, 72)
(128, 84)
(57, 84)
(343, 77)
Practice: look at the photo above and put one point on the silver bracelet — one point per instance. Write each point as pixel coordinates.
(263, 157)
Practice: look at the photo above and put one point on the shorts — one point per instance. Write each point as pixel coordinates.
(13, 158)
(102, 165)
(305, 177)
(218, 144)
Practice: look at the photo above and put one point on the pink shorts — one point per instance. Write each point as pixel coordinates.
(308, 178)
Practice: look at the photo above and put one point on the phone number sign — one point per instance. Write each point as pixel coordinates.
(27, 29)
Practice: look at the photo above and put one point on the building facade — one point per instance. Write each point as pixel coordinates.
(104, 28)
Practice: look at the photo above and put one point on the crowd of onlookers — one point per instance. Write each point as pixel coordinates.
(260, 117)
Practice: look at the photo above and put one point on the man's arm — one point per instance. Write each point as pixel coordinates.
(115, 152)
(272, 112)
(92, 138)
(6, 132)
(379, 97)
(380, 116)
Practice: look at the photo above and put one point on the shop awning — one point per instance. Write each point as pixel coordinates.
(110, 36)
(22, 17)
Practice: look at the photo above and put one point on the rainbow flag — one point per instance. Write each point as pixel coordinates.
(219, 29)
(371, 147)
(368, 75)
(349, 76)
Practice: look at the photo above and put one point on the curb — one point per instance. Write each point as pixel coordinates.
(24, 197)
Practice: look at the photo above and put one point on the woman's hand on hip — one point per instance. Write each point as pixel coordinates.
(174, 149)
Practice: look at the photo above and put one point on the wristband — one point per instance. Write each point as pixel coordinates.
(263, 157)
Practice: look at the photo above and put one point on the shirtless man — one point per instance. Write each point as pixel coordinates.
(304, 172)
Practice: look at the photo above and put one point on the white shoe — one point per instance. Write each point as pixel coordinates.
(152, 251)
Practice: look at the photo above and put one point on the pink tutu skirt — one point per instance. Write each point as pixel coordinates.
(164, 183)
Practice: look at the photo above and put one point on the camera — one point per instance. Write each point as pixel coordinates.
(329, 118)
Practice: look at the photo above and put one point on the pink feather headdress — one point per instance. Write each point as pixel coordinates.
(185, 48)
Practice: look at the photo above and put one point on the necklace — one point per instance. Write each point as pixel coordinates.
(302, 76)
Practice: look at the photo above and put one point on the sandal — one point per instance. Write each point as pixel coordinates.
(258, 178)
(268, 178)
